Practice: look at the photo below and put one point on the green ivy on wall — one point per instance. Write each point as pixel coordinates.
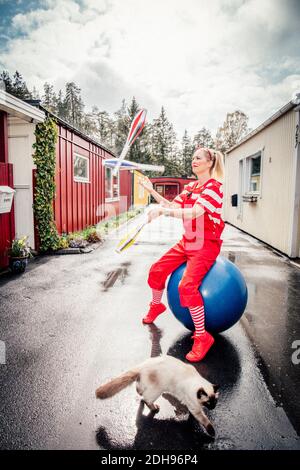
(45, 161)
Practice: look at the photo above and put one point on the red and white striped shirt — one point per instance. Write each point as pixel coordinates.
(210, 198)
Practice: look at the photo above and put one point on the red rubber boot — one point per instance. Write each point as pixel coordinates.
(154, 311)
(201, 346)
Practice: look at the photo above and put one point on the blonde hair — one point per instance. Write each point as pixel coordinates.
(217, 169)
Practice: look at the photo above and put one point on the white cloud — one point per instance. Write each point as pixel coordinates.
(199, 59)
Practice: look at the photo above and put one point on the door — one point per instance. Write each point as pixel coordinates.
(7, 221)
(171, 191)
(167, 190)
(20, 156)
(241, 189)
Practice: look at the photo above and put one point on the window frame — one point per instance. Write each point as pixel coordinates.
(79, 179)
(116, 198)
(247, 190)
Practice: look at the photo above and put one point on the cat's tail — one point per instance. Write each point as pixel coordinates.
(114, 386)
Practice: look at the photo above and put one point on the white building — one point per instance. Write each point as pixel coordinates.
(262, 183)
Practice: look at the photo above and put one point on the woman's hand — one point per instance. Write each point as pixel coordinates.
(146, 183)
(153, 214)
(165, 204)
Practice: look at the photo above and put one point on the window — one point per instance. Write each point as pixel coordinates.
(112, 185)
(81, 168)
(160, 189)
(254, 173)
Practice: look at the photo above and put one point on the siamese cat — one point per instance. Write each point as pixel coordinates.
(165, 374)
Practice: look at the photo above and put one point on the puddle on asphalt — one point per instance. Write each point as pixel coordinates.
(117, 276)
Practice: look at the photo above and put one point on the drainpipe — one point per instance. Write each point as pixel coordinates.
(294, 244)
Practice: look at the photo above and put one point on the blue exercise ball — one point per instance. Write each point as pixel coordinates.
(224, 293)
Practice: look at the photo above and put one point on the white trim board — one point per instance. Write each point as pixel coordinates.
(16, 107)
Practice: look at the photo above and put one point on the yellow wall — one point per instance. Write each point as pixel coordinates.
(140, 195)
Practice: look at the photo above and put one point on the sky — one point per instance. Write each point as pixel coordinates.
(199, 59)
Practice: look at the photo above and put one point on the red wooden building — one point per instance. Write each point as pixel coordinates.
(169, 187)
(86, 191)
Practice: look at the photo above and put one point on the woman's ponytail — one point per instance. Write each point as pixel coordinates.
(218, 169)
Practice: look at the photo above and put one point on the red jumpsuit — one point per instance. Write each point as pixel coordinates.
(199, 246)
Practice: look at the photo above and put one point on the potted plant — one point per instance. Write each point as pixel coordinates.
(18, 253)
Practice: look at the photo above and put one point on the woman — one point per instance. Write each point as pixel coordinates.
(199, 206)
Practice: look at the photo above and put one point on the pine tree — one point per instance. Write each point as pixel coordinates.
(60, 106)
(95, 124)
(186, 155)
(5, 77)
(134, 153)
(164, 148)
(203, 138)
(122, 124)
(73, 105)
(35, 94)
(101, 127)
(88, 126)
(49, 100)
(20, 89)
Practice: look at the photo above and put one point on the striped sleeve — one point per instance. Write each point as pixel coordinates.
(178, 199)
(211, 199)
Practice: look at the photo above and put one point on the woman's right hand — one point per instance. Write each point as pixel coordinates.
(146, 183)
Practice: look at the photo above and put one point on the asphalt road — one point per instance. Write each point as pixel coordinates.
(71, 322)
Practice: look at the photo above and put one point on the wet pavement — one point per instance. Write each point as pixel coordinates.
(72, 322)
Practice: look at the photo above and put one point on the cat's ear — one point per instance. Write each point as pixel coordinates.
(216, 387)
(201, 392)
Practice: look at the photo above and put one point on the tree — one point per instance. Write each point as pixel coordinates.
(16, 86)
(20, 89)
(117, 130)
(99, 125)
(87, 125)
(233, 130)
(135, 152)
(164, 149)
(35, 94)
(203, 138)
(60, 105)
(122, 124)
(49, 100)
(73, 105)
(187, 149)
(5, 77)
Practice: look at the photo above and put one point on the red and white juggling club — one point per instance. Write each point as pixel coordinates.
(135, 129)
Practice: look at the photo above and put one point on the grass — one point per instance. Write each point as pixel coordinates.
(97, 232)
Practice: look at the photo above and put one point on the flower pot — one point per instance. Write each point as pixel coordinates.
(17, 265)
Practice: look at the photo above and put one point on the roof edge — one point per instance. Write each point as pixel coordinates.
(20, 108)
(287, 107)
(37, 103)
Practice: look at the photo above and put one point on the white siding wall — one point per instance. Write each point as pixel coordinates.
(270, 218)
(20, 140)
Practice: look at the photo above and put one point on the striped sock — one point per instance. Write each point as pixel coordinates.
(198, 316)
(156, 296)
